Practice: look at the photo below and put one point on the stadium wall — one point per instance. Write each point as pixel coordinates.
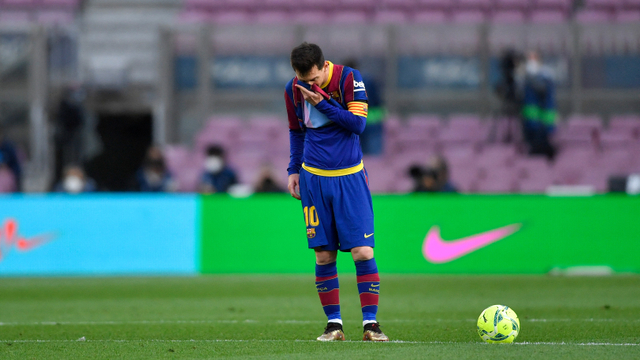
(126, 234)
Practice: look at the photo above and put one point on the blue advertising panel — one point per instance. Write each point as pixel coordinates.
(98, 234)
(438, 72)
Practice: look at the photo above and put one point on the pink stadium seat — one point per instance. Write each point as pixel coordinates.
(435, 4)
(18, 3)
(632, 4)
(427, 125)
(580, 131)
(60, 3)
(231, 17)
(14, 16)
(596, 178)
(615, 138)
(497, 180)
(398, 4)
(548, 17)
(390, 17)
(630, 123)
(591, 16)
(349, 17)
(475, 4)
(508, 16)
(310, 17)
(493, 156)
(272, 17)
(513, 4)
(54, 17)
(430, 17)
(603, 4)
(468, 16)
(627, 16)
(564, 5)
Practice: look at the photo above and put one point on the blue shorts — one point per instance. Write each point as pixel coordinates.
(338, 210)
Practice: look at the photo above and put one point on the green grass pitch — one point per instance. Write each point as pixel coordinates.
(208, 317)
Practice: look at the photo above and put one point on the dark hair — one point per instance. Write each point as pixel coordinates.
(305, 56)
(215, 150)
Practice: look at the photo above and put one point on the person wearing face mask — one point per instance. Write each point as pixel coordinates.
(539, 107)
(74, 181)
(216, 177)
(154, 176)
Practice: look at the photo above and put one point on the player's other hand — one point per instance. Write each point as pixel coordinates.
(294, 185)
(310, 96)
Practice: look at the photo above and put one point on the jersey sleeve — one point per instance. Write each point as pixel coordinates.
(354, 118)
(296, 133)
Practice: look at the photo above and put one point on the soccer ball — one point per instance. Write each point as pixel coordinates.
(498, 324)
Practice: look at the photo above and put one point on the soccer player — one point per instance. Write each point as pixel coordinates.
(327, 111)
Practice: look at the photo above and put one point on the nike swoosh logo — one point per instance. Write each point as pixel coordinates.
(375, 285)
(30, 244)
(438, 251)
(366, 236)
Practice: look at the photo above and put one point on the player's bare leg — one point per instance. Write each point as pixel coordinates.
(329, 291)
(369, 289)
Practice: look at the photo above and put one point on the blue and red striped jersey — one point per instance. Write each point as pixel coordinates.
(327, 136)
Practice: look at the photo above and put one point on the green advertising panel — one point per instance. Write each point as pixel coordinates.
(422, 233)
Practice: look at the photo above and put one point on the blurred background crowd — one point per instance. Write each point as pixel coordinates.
(471, 96)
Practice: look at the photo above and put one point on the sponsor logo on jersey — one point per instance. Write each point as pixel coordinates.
(358, 85)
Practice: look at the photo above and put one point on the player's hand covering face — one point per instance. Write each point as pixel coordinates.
(314, 76)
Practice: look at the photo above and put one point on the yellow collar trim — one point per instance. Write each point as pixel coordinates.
(332, 173)
(326, 83)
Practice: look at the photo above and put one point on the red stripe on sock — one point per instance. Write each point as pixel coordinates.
(325, 278)
(330, 298)
(368, 277)
(367, 299)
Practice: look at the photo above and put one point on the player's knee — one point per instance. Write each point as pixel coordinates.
(362, 253)
(326, 257)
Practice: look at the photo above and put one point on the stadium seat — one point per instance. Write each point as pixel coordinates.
(474, 4)
(468, 16)
(390, 17)
(508, 16)
(54, 17)
(435, 4)
(427, 125)
(429, 17)
(15, 16)
(310, 17)
(272, 17)
(548, 16)
(349, 17)
(231, 17)
(592, 16)
(627, 16)
(497, 180)
(513, 4)
(564, 5)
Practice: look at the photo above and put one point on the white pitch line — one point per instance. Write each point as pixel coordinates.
(313, 341)
(292, 322)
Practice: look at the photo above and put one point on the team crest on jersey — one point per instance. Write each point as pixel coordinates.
(335, 95)
(311, 233)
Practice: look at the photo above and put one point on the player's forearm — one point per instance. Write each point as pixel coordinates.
(296, 148)
(344, 118)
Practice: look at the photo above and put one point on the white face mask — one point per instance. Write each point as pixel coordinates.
(73, 184)
(213, 164)
(532, 67)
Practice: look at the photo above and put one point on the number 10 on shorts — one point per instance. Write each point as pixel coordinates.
(311, 216)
